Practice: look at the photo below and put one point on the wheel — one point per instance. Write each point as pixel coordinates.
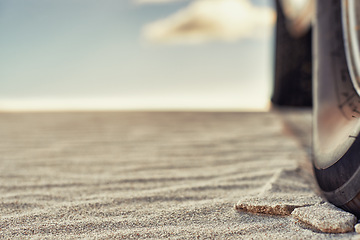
(336, 140)
(293, 58)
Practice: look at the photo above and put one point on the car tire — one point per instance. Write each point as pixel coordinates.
(293, 64)
(336, 112)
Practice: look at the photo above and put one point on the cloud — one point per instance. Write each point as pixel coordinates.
(155, 1)
(212, 20)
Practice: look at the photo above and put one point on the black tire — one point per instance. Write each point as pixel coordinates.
(293, 65)
(336, 151)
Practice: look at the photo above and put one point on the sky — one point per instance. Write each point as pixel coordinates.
(136, 54)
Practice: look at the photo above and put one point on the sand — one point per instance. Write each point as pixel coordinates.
(137, 175)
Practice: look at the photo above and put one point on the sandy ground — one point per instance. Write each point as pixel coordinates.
(157, 175)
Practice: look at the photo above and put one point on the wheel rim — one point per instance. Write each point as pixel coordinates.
(351, 22)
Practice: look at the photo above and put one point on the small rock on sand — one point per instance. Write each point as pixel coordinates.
(357, 228)
(276, 204)
(326, 218)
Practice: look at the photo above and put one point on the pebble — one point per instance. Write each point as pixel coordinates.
(284, 192)
(357, 228)
(276, 204)
(326, 218)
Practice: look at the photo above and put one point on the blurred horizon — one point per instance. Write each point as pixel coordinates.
(136, 55)
(114, 104)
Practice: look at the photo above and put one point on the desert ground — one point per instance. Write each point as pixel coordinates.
(136, 175)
